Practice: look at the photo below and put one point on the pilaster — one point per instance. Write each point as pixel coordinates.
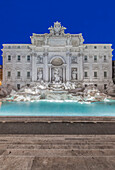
(45, 71)
(34, 69)
(68, 67)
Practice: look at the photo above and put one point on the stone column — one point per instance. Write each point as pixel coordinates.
(64, 71)
(68, 68)
(14, 71)
(80, 67)
(49, 72)
(34, 70)
(91, 71)
(45, 71)
(109, 68)
(4, 70)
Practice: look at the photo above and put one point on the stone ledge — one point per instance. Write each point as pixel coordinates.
(51, 119)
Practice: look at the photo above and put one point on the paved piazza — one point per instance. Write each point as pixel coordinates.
(57, 57)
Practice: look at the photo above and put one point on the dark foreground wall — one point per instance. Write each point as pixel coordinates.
(57, 128)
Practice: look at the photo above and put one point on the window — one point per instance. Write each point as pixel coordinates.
(85, 47)
(105, 58)
(85, 58)
(105, 47)
(9, 57)
(18, 74)
(95, 58)
(18, 86)
(95, 47)
(95, 85)
(105, 86)
(105, 74)
(85, 85)
(18, 58)
(85, 74)
(28, 58)
(95, 74)
(9, 74)
(28, 85)
(28, 74)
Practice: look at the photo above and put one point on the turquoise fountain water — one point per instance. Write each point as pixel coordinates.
(48, 108)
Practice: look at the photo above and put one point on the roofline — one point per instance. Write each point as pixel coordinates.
(15, 44)
(99, 44)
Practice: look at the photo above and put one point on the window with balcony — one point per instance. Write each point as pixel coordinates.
(105, 74)
(105, 86)
(18, 86)
(18, 74)
(85, 74)
(28, 74)
(9, 74)
(95, 74)
(9, 57)
(85, 58)
(18, 58)
(28, 58)
(95, 58)
(105, 58)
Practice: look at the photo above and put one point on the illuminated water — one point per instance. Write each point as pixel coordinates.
(46, 108)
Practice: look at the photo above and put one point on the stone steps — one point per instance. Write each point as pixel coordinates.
(52, 146)
(57, 152)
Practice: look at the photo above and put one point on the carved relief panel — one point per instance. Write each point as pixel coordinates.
(39, 60)
(74, 59)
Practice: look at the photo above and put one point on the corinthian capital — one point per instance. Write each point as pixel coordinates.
(45, 54)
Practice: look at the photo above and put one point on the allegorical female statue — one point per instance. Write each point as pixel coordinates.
(40, 75)
(74, 74)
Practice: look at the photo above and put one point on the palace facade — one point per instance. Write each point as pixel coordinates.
(57, 57)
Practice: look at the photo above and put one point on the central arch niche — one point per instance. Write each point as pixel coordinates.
(57, 61)
(57, 69)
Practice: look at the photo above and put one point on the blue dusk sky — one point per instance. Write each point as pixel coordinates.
(20, 18)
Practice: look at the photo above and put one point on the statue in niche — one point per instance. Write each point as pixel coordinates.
(57, 78)
(40, 75)
(74, 74)
(39, 59)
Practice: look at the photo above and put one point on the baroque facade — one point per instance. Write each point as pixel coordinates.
(57, 57)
